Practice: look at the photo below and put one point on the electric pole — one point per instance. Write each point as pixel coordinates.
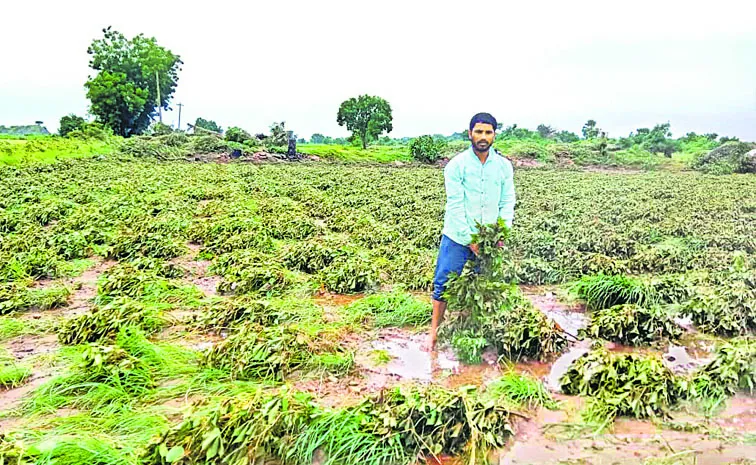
(157, 86)
(179, 122)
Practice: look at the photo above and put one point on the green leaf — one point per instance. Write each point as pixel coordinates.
(176, 453)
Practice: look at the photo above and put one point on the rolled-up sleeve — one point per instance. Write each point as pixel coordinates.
(507, 197)
(457, 224)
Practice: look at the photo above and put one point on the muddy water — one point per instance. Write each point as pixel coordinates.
(571, 318)
(409, 362)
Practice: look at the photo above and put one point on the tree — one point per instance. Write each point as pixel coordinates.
(317, 138)
(210, 125)
(134, 78)
(590, 131)
(278, 134)
(546, 131)
(366, 116)
(566, 136)
(70, 123)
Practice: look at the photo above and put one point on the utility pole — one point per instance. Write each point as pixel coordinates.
(179, 122)
(157, 86)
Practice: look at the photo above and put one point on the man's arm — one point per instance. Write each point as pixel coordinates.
(455, 204)
(507, 198)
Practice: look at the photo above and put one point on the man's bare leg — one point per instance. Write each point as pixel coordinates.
(439, 308)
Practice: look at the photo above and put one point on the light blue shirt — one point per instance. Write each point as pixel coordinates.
(477, 191)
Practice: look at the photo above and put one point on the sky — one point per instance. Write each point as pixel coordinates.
(624, 64)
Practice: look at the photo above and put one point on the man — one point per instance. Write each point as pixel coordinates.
(479, 187)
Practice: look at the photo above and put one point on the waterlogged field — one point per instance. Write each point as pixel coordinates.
(232, 313)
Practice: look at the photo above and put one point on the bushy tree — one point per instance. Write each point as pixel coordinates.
(546, 131)
(131, 74)
(317, 138)
(210, 125)
(366, 116)
(590, 130)
(70, 123)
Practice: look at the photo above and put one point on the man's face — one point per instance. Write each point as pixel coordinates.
(482, 136)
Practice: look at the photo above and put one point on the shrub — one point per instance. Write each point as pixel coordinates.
(235, 134)
(730, 157)
(426, 149)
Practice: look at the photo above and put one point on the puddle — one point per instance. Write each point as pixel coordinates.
(409, 362)
(570, 318)
(562, 364)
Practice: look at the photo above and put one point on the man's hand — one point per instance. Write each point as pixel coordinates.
(475, 248)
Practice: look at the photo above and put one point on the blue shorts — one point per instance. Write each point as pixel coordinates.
(451, 259)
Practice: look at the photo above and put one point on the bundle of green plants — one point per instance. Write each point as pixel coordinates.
(726, 309)
(623, 384)
(672, 288)
(289, 224)
(250, 428)
(633, 325)
(350, 275)
(396, 427)
(314, 255)
(397, 308)
(35, 262)
(230, 231)
(252, 275)
(272, 353)
(404, 424)
(733, 369)
(229, 313)
(151, 147)
(148, 238)
(604, 291)
(131, 280)
(486, 311)
(157, 266)
(104, 322)
(15, 297)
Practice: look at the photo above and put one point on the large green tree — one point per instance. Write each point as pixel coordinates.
(134, 78)
(366, 116)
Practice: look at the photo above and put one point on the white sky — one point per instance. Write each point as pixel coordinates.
(437, 63)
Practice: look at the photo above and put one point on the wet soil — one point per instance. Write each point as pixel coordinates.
(197, 270)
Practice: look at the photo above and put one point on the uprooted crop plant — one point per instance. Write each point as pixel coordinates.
(486, 311)
(397, 427)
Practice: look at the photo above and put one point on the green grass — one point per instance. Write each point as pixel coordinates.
(391, 309)
(348, 153)
(49, 149)
(522, 390)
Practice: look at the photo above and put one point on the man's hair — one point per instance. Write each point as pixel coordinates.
(484, 118)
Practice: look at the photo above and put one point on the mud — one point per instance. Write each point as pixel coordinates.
(197, 270)
(84, 290)
(27, 346)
